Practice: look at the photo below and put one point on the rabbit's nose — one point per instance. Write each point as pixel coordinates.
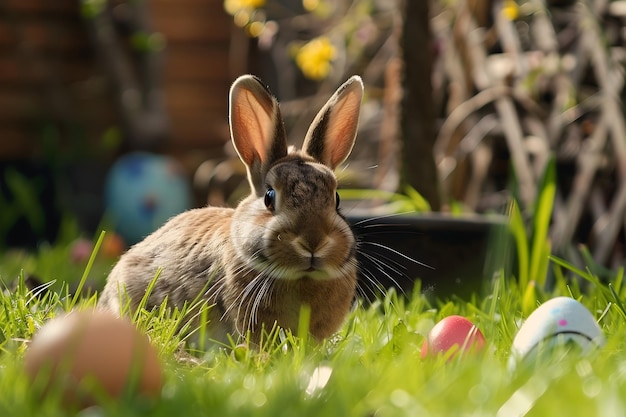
(310, 248)
(316, 263)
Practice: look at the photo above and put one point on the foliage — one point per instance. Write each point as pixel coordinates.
(533, 250)
(21, 201)
(325, 37)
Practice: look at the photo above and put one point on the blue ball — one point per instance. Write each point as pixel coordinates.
(143, 191)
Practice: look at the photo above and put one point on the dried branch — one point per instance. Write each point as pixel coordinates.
(138, 88)
(587, 165)
(608, 226)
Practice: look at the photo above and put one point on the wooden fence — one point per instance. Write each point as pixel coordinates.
(54, 92)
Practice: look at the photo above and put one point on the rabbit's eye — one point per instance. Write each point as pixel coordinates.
(270, 199)
(337, 200)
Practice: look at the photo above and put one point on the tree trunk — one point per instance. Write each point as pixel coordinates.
(417, 114)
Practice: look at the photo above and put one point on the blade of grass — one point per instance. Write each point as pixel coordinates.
(516, 225)
(586, 275)
(144, 300)
(83, 279)
(204, 322)
(618, 280)
(420, 203)
(540, 248)
(529, 298)
(617, 300)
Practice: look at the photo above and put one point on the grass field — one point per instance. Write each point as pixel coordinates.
(371, 368)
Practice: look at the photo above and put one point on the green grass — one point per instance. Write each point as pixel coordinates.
(373, 363)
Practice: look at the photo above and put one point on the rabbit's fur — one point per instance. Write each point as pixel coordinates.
(259, 263)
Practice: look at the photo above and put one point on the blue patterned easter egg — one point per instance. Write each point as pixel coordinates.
(143, 191)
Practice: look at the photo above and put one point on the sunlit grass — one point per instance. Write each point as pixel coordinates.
(371, 367)
(374, 361)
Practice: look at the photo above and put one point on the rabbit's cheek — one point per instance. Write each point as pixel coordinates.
(342, 248)
(250, 247)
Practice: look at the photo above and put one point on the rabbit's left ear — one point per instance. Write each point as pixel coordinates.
(333, 132)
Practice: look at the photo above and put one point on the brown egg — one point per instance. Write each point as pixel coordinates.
(82, 350)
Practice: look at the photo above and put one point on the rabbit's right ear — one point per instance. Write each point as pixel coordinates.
(256, 128)
(331, 136)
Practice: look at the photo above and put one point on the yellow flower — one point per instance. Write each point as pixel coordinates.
(314, 58)
(510, 9)
(255, 29)
(310, 5)
(235, 6)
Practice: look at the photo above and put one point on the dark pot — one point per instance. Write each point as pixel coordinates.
(449, 255)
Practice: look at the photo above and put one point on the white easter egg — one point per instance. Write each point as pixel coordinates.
(559, 320)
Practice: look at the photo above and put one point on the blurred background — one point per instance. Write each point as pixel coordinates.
(113, 113)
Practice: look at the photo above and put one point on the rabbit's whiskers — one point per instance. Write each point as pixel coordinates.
(246, 314)
(263, 295)
(391, 265)
(256, 292)
(371, 276)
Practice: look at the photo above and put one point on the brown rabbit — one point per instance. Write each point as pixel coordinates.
(286, 245)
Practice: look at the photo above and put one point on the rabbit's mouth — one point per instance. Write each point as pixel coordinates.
(317, 267)
(315, 274)
(318, 272)
(312, 269)
(316, 264)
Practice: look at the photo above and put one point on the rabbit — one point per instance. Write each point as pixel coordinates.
(284, 246)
